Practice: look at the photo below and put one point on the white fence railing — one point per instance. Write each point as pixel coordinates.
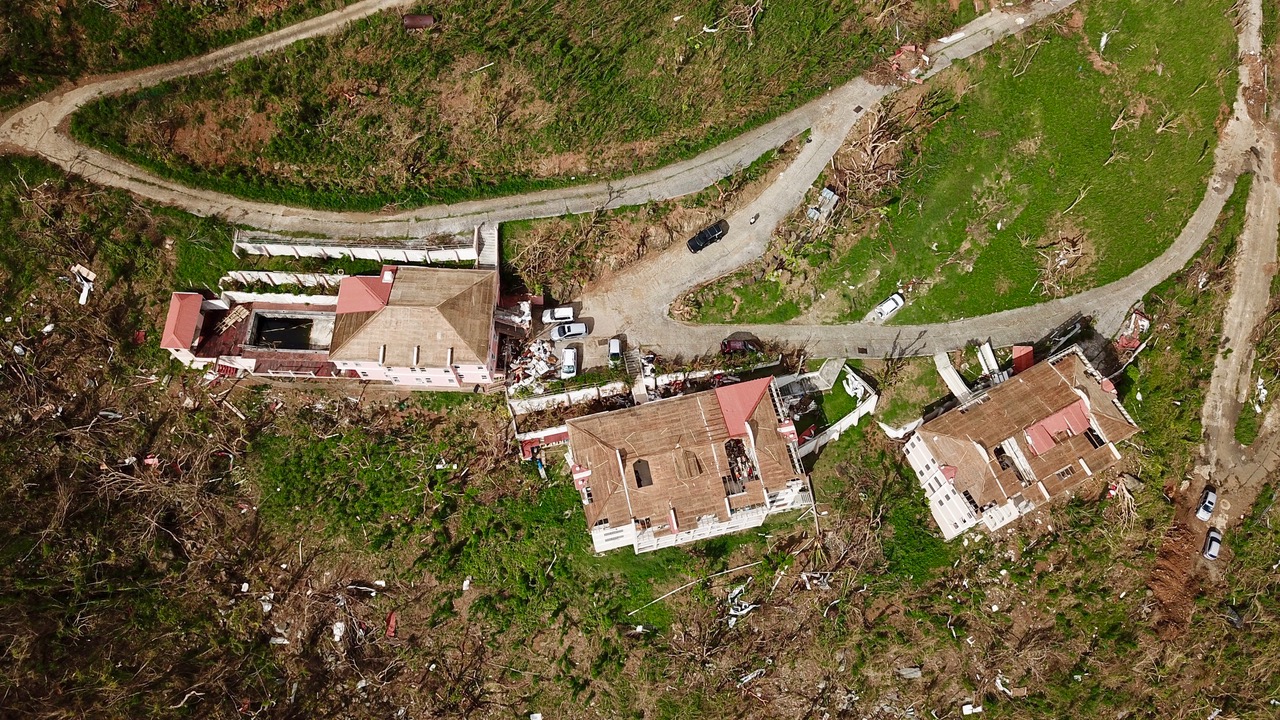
(856, 387)
(275, 277)
(238, 297)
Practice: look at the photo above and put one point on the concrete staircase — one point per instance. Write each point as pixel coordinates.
(487, 246)
(631, 361)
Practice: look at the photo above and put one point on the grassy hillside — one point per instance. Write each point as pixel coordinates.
(1047, 146)
(44, 43)
(502, 97)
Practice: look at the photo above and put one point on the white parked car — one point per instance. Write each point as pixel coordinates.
(562, 314)
(615, 351)
(569, 331)
(891, 305)
(1208, 502)
(1212, 544)
(568, 363)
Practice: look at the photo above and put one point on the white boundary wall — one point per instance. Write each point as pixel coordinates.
(524, 406)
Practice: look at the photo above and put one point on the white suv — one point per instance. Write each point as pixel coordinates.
(891, 305)
(1208, 502)
(562, 314)
(569, 331)
(568, 363)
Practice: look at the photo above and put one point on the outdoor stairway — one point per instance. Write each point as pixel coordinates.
(487, 246)
(631, 361)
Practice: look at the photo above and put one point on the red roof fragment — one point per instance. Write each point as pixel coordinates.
(1024, 356)
(739, 402)
(365, 293)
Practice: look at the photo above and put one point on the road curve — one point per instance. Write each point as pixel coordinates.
(637, 301)
(40, 129)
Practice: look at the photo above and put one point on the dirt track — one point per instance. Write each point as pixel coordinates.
(1237, 473)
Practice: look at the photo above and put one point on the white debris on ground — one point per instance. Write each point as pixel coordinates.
(1260, 392)
(739, 608)
(819, 580)
(536, 362)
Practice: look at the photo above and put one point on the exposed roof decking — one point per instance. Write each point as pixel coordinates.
(681, 442)
(1045, 413)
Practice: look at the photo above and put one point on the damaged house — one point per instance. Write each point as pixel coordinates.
(1020, 444)
(686, 468)
(418, 327)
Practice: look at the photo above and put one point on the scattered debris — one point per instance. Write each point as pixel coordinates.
(820, 580)
(750, 676)
(1061, 258)
(536, 362)
(910, 63)
(827, 200)
(86, 278)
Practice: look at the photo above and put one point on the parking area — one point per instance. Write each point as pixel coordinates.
(593, 349)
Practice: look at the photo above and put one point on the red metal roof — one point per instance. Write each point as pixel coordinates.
(1024, 356)
(738, 402)
(181, 323)
(1072, 420)
(365, 293)
(527, 446)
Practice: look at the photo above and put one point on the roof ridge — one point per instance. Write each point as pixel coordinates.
(347, 337)
(449, 311)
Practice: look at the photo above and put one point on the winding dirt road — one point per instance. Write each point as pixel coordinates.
(1237, 473)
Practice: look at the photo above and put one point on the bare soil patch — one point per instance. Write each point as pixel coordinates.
(215, 132)
(1174, 582)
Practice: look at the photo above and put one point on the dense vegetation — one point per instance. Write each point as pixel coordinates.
(1051, 150)
(499, 98)
(310, 558)
(43, 43)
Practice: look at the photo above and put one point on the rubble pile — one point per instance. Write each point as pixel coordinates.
(536, 362)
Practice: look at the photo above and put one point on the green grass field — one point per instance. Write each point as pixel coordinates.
(42, 46)
(501, 98)
(1046, 138)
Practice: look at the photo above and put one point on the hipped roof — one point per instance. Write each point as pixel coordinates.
(431, 309)
(182, 322)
